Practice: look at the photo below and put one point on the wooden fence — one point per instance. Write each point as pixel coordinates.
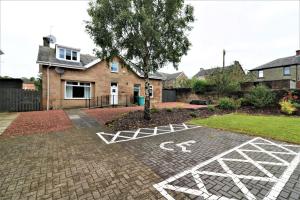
(19, 100)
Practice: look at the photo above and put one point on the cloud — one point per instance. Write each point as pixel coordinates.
(252, 32)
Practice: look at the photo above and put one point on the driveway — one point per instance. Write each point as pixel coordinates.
(182, 163)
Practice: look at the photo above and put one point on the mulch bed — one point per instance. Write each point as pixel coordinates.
(134, 120)
(104, 115)
(38, 122)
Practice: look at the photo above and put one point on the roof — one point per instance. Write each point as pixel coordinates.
(280, 62)
(168, 77)
(46, 56)
(206, 72)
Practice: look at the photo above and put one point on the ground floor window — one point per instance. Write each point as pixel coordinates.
(151, 91)
(77, 90)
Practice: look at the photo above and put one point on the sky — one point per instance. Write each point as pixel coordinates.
(251, 32)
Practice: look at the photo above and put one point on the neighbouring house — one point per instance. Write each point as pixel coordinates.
(235, 69)
(69, 77)
(28, 86)
(282, 73)
(171, 80)
(12, 83)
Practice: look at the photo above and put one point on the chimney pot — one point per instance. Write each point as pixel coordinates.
(46, 41)
(201, 69)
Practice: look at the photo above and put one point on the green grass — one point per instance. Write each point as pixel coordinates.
(277, 127)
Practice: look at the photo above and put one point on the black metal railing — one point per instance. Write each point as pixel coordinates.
(109, 101)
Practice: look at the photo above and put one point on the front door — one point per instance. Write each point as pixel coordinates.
(114, 93)
(136, 92)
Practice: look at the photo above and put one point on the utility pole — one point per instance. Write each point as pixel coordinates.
(224, 52)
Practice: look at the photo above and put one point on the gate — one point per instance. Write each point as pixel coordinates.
(168, 95)
(19, 100)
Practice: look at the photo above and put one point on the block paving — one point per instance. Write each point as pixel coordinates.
(77, 164)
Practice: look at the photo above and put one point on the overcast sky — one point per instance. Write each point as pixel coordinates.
(252, 32)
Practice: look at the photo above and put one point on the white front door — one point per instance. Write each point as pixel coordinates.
(114, 93)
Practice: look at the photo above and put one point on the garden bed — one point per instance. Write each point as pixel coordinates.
(134, 120)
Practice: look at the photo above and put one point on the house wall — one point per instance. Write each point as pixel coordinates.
(101, 77)
(276, 74)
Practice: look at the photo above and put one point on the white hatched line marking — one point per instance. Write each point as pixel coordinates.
(276, 152)
(270, 154)
(236, 180)
(279, 183)
(140, 134)
(261, 168)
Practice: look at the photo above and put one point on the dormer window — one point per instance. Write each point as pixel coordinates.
(74, 55)
(69, 54)
(62, 53)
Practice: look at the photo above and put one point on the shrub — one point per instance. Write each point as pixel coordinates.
(199, 86)
(287, 107)
(229, 104)
(260, 96)
(193, 114)
(297, 105)
(169, 109)
(211, 108)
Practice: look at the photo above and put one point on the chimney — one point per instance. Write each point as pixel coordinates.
(201, 69)
(298, 52)
(46, 41)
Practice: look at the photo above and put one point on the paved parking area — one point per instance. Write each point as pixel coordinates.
(77, 164)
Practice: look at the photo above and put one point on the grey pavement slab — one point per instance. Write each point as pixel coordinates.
(6, 119)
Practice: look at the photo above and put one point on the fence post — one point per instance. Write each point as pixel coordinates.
(89, 103)
(97, 101)
(101, 101)
(126, 101)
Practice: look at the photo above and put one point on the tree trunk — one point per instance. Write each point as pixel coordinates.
(147, 114)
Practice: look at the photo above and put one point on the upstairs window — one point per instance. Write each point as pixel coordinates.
(287, 71)
(67, 54)
(114, 67)
(260, 74)
(62, 53)
(74, 55)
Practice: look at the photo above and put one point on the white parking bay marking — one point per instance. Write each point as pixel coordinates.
(110, 138)
(202, 191)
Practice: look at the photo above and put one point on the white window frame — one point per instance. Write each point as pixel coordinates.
(78, 85)
(65, 52)
(287, 67)
(151, 87)
(117, 67)
(260, 73)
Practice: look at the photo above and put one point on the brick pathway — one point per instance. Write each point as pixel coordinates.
(77, 164)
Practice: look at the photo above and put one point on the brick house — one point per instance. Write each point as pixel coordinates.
(70, 77)
(170, 80)
(282, 73)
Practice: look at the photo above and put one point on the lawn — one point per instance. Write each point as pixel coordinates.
(276, 127)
